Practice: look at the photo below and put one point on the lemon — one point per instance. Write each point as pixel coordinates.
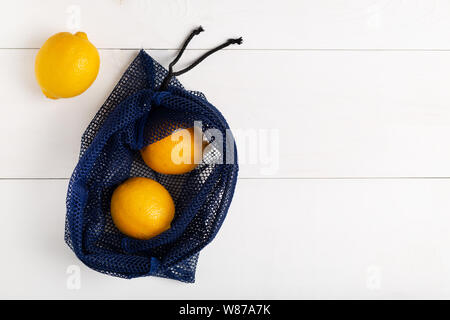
(142, 208)
(66, 65)
(175, 154)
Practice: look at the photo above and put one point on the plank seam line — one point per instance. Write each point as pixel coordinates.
(259, 49)
(268, 178)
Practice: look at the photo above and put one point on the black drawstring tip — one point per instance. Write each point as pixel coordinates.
(198, 30)
(195, 32)
(236, 41)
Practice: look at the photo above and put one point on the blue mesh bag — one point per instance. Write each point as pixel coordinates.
(136, 113)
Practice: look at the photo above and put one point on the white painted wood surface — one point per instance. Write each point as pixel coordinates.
(358, 91)
(337, 114)
(302, 239)
(266, 24)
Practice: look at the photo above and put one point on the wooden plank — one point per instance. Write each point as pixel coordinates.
(287, 24)
(334, 114)
(292, 239)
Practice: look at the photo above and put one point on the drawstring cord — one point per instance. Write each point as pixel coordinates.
(195, 32)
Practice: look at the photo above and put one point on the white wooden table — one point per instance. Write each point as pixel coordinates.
(352, 199)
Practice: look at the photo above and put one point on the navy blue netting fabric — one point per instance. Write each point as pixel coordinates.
(134, 115)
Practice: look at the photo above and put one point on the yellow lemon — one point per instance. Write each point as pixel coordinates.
(142, 208)
(175, 154)
(66, 65)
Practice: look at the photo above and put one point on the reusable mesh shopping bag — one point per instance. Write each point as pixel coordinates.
(146, 105)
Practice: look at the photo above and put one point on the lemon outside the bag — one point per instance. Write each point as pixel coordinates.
(66, 65)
